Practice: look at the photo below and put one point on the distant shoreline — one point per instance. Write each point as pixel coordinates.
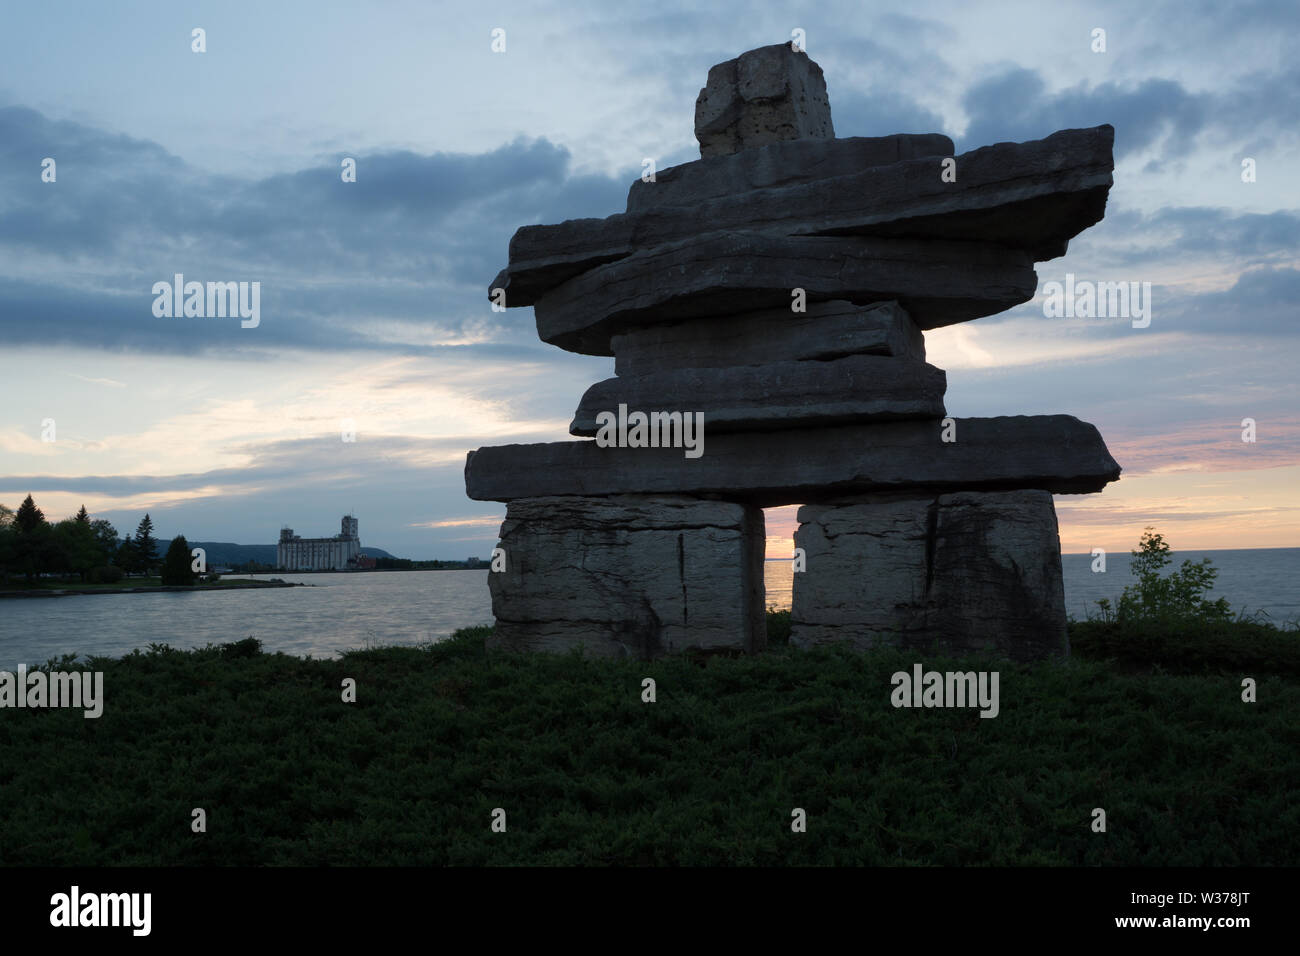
(149, 589)
(1180, 551)
(483, 567)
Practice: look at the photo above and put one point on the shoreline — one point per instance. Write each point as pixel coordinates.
(148, 589)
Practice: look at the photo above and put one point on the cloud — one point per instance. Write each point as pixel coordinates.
(1157, 114)
(489, 521)
(400, 258)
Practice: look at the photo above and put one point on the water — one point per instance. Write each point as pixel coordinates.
(1264, 579)
(347, 611)
(1252, 580)
(341, 612)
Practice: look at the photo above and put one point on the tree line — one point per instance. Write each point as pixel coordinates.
(31, 546)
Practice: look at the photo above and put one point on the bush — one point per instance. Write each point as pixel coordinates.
(248, 647)
(176, 569)
(1167, 624)
(1180, 597)
(106, 575)
(778, 628)
(1240, 648)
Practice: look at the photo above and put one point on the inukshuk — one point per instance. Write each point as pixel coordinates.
(917, 530)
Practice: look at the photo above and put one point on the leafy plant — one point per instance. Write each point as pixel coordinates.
(1177, 596)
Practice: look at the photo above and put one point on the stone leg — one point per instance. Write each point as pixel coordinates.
(630, 576)
(956, 573)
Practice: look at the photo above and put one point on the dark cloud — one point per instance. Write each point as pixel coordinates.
(1131, 238)
(1261, 300)
(1015, 105)
(415, 240)
(882, 112)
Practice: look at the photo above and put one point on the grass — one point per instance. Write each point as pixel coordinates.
(587, 773)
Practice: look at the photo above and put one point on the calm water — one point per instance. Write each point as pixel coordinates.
(342, 611)
(345, 611)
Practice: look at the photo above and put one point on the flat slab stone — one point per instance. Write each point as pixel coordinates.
(630, 576)
(955, 574)
(763, 96)
(1057, 453)
(827, 330)
(785, 163)
(938, 283)
(857, 388)
(1033, 196)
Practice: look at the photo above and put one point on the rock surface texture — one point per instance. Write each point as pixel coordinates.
(630, 576)
(951, 574)
(766, 308)
(765, 96)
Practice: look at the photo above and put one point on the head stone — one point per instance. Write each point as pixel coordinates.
(767, 95)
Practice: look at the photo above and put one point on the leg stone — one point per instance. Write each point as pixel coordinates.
(630, 576)
(953, 573)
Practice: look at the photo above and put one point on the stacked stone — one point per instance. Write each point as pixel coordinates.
(917, 530)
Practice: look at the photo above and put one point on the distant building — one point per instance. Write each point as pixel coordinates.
(320, 554)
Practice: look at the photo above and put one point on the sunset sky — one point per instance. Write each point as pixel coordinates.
(225, 165)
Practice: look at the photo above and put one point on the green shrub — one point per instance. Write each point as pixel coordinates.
(1181, 596)
(177, 569)
(778, 628)
(592, 775)
(248, 647)
(1243, 647)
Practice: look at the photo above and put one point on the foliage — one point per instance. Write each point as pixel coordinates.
(29, 517)
(249, 567)
(105, 539)
(144, 552)
(248, 647)
(1177, 597)
(1232, 648)
(76, 549)
(590, 775)
(108, 574)
(80, 545)
(778, 627)
(177, 569)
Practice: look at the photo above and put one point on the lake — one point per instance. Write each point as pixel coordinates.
(343, 611)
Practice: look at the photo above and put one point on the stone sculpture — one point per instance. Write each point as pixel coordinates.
(918, 530)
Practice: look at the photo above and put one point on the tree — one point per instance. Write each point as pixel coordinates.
(82, 517)
(105, 540)
(176, 568)
(125, 557)
(75, 547)
(146, 545)
(34, 545)
(29, 517)
(1181, 595)
(8, 537)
